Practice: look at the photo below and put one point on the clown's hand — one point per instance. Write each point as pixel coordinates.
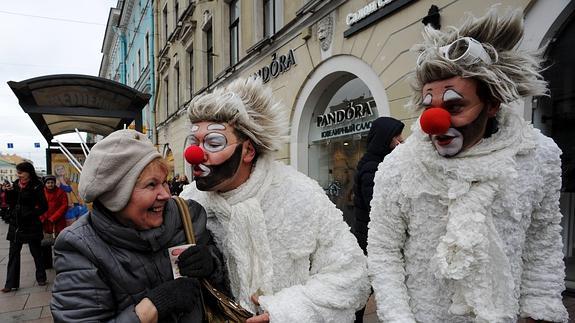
(262, 318)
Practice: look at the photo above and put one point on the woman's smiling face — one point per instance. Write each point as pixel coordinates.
(469, 114)
(145, 209)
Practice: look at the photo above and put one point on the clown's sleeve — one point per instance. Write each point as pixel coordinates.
(543, 269)
(337, 284)
(385, 242)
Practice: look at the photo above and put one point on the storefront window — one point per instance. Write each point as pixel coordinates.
(338, 132)
(554, 115)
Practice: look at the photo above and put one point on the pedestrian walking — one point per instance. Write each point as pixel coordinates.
(27, 203)
(4, 207)
(53, 221)
(384, 135)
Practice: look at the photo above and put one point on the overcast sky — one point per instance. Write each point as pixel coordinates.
(44, 37)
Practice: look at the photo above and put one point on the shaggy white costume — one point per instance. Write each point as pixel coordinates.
(281, 234)
(472, 238)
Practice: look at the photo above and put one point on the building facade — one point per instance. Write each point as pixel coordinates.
(128, 52)
(7, 171)
(336, 66)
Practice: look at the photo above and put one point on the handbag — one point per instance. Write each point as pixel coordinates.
(218, 307)
(48, 239)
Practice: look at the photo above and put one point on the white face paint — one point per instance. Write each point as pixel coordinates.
(448, 144)
(427, 100)
(205, 171)
(451, 95)
(216, 126)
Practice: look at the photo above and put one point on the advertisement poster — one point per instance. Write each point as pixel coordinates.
(67, 177)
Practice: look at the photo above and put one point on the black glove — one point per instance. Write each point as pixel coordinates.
(175, 295)
(196, 261)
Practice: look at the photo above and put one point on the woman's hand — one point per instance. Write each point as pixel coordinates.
(146, 311)
(196, 261)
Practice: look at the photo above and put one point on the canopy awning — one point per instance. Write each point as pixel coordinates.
(59, 104)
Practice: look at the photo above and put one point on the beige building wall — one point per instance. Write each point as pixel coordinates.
(379, 52)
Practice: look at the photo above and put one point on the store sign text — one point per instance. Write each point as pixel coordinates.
(364, 12)
(277, 66)
(354, 111)
(347, 130)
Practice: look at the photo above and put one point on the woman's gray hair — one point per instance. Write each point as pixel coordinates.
(512, 74)
(247, 105)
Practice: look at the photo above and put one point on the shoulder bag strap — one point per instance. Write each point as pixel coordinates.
(186, 219)
(225, 304)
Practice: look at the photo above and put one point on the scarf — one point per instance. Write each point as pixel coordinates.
(23, 183)
(120, 236)
(471, 255)
(246, 245)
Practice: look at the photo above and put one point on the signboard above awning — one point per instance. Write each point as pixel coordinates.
(59, 104)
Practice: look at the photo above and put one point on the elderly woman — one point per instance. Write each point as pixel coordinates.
(113, 265)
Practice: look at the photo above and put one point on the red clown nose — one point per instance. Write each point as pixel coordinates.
(194, 155)
(435, 121)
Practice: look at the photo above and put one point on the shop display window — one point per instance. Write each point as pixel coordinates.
(338, 132)
(554, 115)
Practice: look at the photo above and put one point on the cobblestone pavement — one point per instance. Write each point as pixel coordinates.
(31, 302)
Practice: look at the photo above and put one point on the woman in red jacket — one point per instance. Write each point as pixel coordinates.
(53, 220)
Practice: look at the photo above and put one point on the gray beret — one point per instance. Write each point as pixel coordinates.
(111, 169)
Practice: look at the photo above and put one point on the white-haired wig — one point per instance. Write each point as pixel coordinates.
(247, 105)
(511, 75)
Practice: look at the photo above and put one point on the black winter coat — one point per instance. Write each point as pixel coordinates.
(104, 269)
(26, 207)
(381, 133)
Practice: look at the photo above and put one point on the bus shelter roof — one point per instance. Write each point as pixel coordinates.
(59, 104)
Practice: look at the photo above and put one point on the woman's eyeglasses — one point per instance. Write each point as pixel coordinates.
(465, 50)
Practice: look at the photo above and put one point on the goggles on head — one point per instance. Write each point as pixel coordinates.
(465, 50)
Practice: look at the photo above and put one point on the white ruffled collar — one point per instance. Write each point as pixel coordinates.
(490, 158)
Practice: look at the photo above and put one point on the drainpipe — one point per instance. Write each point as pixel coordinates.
(153, 76)
(123, 78)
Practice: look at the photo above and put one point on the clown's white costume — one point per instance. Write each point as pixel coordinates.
(285, 245)
(487, 215)
(281, 234)
(465, 221)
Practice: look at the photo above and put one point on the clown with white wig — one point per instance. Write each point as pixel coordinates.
(465, 221)
(290, 256)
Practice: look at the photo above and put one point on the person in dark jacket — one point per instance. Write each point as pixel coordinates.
(113, 264)
(174, 185)
(4, 207)
(384, 135)
(27, 203)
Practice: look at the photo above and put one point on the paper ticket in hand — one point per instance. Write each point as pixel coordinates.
(174, 252)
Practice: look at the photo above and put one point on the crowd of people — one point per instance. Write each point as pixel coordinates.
(458, 223)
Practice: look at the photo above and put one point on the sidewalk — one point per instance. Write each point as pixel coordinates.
(31, 303)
